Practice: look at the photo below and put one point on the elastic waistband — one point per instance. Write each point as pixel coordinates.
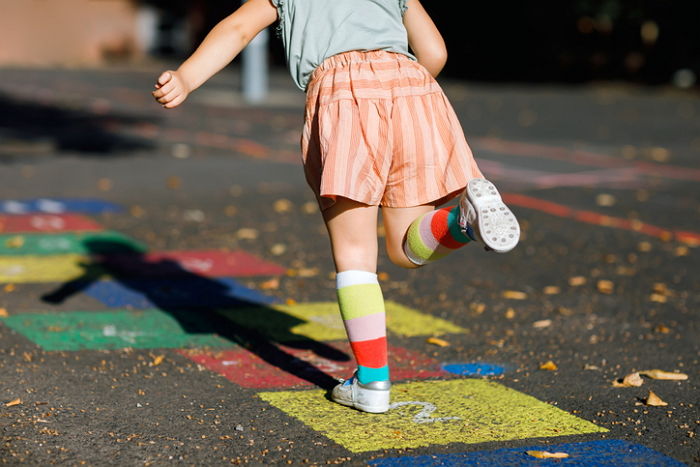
(357, 56)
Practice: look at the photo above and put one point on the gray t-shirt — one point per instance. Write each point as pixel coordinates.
(313, 30)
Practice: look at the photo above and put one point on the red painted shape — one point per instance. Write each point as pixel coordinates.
(207, 263)
(595, 218)
(47, 223)
(246, 369)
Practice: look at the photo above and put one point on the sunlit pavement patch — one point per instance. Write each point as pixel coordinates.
(114, 330)
(47, 223)
(249, 370)
(473, 369)
(594, 453)
(169, 293)
(66, 243)
(33, 268)
(179, 264)
(58, 206)
(321, 321)
(432, 413)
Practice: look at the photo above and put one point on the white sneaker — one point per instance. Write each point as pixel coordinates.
(370, 397)
(484, 217)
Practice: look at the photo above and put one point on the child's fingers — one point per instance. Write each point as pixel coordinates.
(175, 102)
(171, 96)
(164, 78)
(165, 89)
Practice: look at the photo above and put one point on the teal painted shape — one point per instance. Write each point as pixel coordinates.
(68, 243)
(143, 329)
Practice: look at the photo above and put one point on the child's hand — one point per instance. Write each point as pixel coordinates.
(171, 89)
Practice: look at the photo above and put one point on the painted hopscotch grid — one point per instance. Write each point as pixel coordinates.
(587, 454)
(58, 206)
(433, 413)
(246, 369)
(196, 292)
(68, 243)
(179, 264)
(321, 321)
(99, 330)
(47, 223)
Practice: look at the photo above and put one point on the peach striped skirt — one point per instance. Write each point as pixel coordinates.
(379, 130)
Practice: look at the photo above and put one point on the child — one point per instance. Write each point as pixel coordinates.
(378, 132)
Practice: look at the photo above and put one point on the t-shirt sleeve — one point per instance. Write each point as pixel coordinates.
(403, 4)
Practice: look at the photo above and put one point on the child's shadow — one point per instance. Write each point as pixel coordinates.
(158, 281)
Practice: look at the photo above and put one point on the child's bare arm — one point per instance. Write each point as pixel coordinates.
(221, 45)
(424, 38)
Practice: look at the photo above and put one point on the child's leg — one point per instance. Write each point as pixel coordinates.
(418, 235)
(353, 232)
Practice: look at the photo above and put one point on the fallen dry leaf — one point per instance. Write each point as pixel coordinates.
(605, 286)
(547, 454)
(307, 272)
(654, 400)
(514, 295)
(631, 380)
(14, 402)
(551, 290)
(549, 366)
(666, 375)
(662, 329)
(309, 207)
(15, 242)
(541, 324)
(4, 313)
(9, 288)
(657, 298)
(681, 250)
(510, 313)
(247, 234)
(660, 288)
(605, 200)
(272, 284)
(644, 247)
(158, 360)
(576, 281)
(282, 205)
(278, 249)
(477, 308)
(290, 301)
(137, 211)
(437, 341)
(383, 276)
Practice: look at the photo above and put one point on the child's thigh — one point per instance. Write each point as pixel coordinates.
(396, 223)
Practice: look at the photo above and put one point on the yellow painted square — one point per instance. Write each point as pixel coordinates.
(58, 268)
(433, 413)
(321, 321)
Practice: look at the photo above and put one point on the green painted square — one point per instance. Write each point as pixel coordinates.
(321, 321)
(79, 330)
(66, 243)
(433, 413)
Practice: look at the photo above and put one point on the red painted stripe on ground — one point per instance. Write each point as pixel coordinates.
(579, 157)
(47, 223)
(595, 218)
(207, 263)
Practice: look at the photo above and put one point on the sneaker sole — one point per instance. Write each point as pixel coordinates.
(381, 408)
(498, 227)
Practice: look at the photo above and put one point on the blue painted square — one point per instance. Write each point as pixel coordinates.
(473, 369)
(613, 452)
(197, 292)
(58, 206)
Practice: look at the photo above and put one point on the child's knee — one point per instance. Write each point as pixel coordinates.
(400, 259)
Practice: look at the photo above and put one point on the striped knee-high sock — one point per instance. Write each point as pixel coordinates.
(434, 235)
(362, 309)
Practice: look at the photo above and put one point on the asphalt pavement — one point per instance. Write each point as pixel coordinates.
(167, 293)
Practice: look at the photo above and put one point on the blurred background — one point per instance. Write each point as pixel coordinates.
(642, 41)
